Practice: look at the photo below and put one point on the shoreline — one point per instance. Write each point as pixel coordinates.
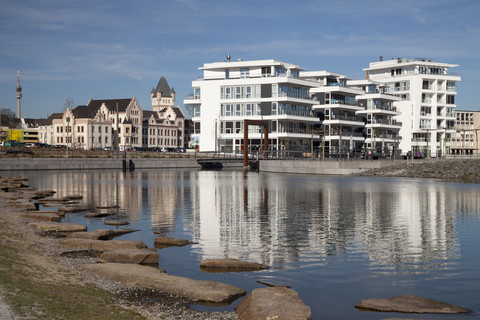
(59, 267)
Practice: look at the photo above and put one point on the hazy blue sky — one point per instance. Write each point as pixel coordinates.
(119, 49)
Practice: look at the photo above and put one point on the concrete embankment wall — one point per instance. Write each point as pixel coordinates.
(14, 164)
(341, 167)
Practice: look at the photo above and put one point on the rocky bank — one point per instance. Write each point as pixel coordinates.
(463, 170)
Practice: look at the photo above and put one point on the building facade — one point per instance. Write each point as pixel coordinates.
(465, 140)
(427, 93)
(265, 90)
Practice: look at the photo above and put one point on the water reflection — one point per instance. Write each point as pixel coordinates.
(289, 221)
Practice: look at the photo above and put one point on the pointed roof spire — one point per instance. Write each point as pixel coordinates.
(164, 88)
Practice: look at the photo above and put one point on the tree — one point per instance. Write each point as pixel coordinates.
(9, 119)
(69, 103)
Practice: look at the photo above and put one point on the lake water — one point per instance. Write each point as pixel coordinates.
(335, 240)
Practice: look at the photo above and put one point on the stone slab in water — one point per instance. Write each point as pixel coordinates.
(167, 241)
(45, 216)
(154, 279)
(137, 256)
(116, 222)
(97, 214)
(100, 245)
(409, 304)
(58, 226)
(277, 303)
(225, 265)
(72, 209)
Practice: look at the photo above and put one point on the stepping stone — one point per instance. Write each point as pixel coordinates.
(116, 222)
(155, 279)
(137, 256)
(74, 197)
(97, 214)
(44, 193)
(409, 304)
(72, 209)
(100, 245)
(45, 216)
(230, 265)
(273, 303)
(100, 234)
(171, 242)
(58, 226)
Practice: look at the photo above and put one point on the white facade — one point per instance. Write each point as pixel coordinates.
(427, 92)
(231, 92)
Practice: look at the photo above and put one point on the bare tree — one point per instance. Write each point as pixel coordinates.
(69, 103)
(9, 118)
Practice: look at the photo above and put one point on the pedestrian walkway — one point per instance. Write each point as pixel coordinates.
(4, 310)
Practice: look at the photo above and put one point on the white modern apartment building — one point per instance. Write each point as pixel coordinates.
(356, 114)
(233, 91)
(427, 92)
(342, 129)
(381, 129)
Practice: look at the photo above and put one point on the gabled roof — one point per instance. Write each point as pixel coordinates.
(111, 104)
(50, 119)
(179, 112)
(147, 114)
(82, 112)
(164, 88)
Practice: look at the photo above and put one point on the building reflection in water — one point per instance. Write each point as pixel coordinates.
(288, 221)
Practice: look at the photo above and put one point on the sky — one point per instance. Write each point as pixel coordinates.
(118, 49)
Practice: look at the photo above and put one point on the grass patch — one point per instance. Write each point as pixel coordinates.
(32, 292)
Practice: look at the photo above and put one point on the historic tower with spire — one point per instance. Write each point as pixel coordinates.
(19, 95)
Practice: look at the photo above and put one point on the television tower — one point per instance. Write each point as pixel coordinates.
(19, 94)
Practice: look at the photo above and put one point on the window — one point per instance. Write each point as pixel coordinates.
(244, 73)
(248, 92)
(450, 99)
(238, 110)
(238, 92)
(266, 71)
(227, 74)
(196, 110)
(196, 93)
(248, 109)
(274, 109)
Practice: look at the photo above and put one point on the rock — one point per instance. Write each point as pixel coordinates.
(54, 200)
(30, 206)
(171, 242)
(229, 265)
(74, 197)
(97, 214)
(409, 304)
(118, 232)
(44, 193)
(100, 245)
(58, 227)
(137, 256)
(273, 303)
(72, 209)
(45, 216)
(116, 222)
(155, 279)
(90, 235)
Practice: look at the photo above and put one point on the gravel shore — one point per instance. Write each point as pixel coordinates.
(461, 170)
(46, 249)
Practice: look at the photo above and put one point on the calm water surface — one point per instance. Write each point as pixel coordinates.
(335, 240)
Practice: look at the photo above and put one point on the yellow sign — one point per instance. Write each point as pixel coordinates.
(14, 134)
